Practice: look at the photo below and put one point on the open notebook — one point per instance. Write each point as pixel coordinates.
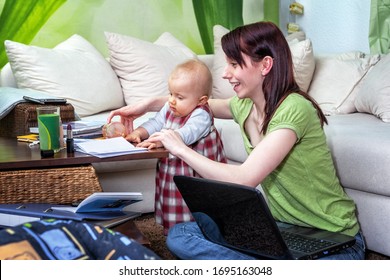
(246, 224)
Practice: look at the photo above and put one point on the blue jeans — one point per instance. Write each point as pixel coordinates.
(187, 242)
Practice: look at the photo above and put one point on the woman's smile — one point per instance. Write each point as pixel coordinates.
(235, 85)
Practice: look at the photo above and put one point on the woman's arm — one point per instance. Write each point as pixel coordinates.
(131, 112)
(220, 108)
(267, 155)
(196, 127)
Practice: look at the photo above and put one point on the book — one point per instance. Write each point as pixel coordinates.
(90, 135)
(79, 127)
(102, 202)
(83, 127)
(14, 220)
(10, 220)
(106, 208)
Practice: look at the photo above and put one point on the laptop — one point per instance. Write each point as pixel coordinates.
(247, 225)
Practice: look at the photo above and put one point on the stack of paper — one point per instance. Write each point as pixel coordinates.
(107, 147)
(83, 127)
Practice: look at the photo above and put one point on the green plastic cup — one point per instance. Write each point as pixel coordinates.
(49, 128)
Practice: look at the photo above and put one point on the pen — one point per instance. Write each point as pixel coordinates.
(69, 140)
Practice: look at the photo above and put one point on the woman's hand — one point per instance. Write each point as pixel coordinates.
(127, 116)
(150, 145)
(131, 112)
(170, 140)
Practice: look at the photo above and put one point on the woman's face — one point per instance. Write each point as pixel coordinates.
(246, 81)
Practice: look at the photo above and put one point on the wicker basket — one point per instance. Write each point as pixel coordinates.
(52, 185)
(24, 116)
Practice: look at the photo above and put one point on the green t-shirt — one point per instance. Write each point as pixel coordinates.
(304, 188)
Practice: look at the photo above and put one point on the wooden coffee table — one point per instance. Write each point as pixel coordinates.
(16, 155)
(62, 179)
(34, 173)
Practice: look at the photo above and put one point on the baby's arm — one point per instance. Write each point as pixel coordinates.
(137, 135)
(196, 127)
(148, 128)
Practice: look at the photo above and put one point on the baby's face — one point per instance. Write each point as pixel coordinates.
(183, 97)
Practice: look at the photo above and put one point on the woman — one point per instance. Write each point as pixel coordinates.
(283, 135)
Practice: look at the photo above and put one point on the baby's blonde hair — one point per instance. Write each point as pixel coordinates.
(197, 72)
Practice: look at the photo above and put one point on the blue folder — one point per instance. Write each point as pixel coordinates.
(45, 211)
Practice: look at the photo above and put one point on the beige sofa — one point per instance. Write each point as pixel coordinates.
(351, 88)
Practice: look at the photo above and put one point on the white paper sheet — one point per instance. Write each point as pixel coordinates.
(110, 147)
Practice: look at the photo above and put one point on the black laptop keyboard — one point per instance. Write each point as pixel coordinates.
(304, 244)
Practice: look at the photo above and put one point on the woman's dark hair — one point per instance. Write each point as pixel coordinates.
(258, 40)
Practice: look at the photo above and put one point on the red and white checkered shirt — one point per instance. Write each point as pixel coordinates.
(170, 206)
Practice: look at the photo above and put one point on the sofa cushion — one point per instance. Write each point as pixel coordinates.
(304, 62)
(337, 78)
(302, 55)
(143, 67)
(221, 87)
(360, 146)
(299, 35)
(74, 70)
(374, 94)
(7, 78)
(233, 143)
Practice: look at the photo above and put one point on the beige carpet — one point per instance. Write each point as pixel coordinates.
(154, 232)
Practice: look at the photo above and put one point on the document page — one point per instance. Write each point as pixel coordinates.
(106, 147)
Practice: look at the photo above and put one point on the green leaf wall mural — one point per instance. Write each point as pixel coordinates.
(379, 33)
(211, 12)
(271, 11)
(21, 20)
(47, 23)
(228, 13)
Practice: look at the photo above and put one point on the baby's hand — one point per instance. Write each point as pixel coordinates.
(134, 137)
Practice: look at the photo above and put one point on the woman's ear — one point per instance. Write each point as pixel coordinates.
(203, 100)
(267, 64)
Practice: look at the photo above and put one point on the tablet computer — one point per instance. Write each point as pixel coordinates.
(51, 100)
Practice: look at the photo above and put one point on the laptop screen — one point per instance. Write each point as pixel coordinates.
(242, 221)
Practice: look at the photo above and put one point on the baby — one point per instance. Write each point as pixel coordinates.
(188, 114)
